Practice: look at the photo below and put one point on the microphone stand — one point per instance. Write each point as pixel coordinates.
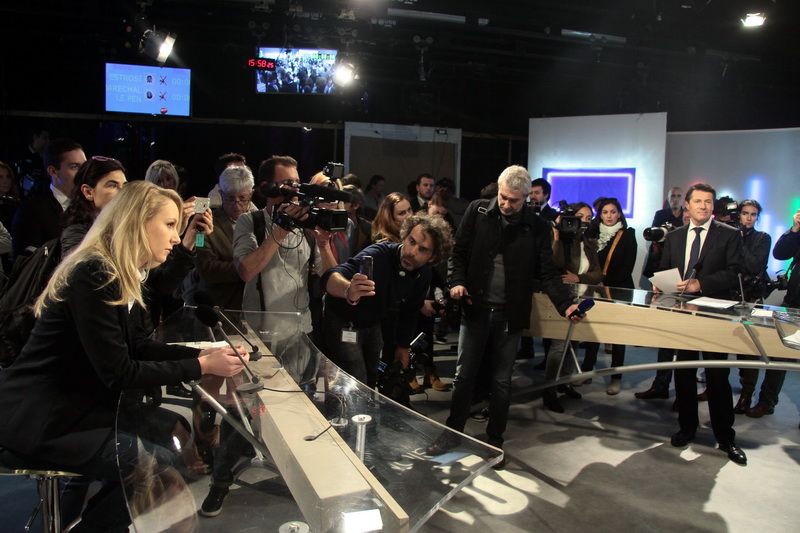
(743, 304)
(255, 355)
(692, 274)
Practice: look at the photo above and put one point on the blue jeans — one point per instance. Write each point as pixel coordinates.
(485, 332)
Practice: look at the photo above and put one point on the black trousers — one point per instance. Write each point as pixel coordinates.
(720, 396)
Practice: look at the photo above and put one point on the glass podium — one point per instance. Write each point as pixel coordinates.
(301, 445)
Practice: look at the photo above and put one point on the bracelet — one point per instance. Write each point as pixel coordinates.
(347, 296)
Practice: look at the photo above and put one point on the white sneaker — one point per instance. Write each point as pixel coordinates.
(613, 387)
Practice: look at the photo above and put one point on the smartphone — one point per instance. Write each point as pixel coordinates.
(365, 262)
(201, 205)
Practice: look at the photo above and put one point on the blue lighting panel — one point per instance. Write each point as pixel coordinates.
(589, 184)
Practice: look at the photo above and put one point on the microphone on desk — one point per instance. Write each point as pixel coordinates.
(743, 303)
(208, 317)
(203, 298)
(692, 275)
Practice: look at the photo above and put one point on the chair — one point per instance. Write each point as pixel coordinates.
(49, 496)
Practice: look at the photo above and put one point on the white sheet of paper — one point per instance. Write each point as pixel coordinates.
(712, 302)
(666, 280)
(794, 337)
(202, 345)
(761, 313)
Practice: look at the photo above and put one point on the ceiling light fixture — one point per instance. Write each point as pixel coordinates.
(754, 20)
(157, 45)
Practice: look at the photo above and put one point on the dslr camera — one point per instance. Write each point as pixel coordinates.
(393, 379)
(657, 233)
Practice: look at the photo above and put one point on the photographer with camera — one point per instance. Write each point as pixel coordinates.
(276, 262)
(664, 220)
(575, 256)
(358, 301)
(787, 247)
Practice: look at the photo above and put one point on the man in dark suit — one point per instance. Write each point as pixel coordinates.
(540, 196)
(709, 256)
(39, 219)
(426, 186)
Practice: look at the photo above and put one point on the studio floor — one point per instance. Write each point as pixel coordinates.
(604, 465)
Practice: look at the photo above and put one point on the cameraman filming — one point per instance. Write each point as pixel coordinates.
(276, 269)
(575, 255)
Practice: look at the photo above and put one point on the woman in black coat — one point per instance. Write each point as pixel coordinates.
(616, 250)
(61, 395)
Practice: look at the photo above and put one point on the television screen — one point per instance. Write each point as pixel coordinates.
(298, 71)
(148, 90)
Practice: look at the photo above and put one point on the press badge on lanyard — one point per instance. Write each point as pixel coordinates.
(350, 335)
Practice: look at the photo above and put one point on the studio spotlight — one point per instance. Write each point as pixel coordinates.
(344, 73)
(754, 20)
(157, 45)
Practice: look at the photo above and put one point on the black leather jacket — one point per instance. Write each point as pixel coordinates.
(527, 260)
(788, 247)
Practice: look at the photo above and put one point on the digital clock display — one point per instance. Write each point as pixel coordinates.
(261, 63)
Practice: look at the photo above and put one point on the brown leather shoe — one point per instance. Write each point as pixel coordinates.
(432, 380)
(415, 387)
(703, 396)
(759, 410)
(743, 404)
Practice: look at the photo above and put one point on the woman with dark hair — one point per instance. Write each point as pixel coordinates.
(394, 209)
(616, 252)
(97, 181)
(575, 255)
(373, 195)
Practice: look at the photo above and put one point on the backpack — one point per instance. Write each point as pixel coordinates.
(28, 279)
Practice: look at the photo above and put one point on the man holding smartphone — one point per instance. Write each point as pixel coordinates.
(357, 300)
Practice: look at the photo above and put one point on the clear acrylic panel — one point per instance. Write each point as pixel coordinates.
(324, 449)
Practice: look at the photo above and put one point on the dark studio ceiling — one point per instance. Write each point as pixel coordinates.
(484, 66)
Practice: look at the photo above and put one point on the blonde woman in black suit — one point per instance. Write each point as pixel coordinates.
(61, 396)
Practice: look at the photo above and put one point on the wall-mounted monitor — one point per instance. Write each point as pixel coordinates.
(148, 90)
(589, 184)
(297, 71)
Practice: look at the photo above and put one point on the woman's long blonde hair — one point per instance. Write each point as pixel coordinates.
(118, 240)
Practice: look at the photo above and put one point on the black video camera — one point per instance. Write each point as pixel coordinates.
(310, 196)
(657, 233)
(569, 224)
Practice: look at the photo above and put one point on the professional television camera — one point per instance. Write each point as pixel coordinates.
(569, 224)
(309, 196)
(393, 379)
(726, 210)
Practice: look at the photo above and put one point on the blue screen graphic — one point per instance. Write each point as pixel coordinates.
(589, 184)
(148, 90)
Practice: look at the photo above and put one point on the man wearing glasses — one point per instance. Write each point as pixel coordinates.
(215, 267)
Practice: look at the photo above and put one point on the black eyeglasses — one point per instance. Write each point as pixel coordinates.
(241, 200)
